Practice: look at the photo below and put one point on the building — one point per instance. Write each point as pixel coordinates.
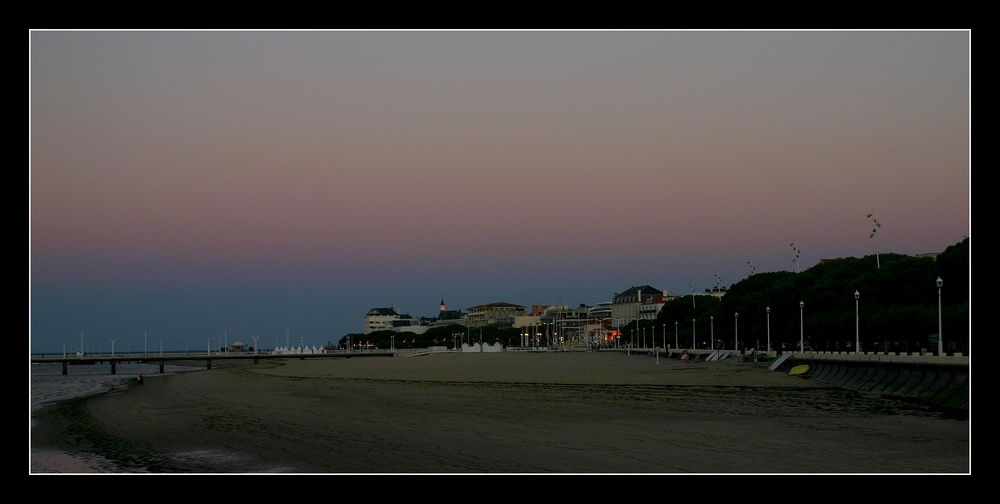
(568, 324)
(627, 305)
(651, 306)
(388, 319)
(380, 319)
(493, 314)
(446, 317)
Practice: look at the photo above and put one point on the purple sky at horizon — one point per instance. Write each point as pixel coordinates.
(188, 183)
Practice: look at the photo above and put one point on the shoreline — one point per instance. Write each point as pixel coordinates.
(503, 412)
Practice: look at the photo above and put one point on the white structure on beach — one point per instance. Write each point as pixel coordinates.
(482, 347)
(298, 350)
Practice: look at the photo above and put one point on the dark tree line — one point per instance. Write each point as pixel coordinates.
(897, 307)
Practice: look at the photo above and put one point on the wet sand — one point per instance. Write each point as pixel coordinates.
(505, 412)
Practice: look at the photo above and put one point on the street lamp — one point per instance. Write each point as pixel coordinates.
(857, 323)
(694, 342)
(711, 321)
(768, 351)
(112, 346)
(676, 340)
(940, 341)
(736, 346)
(802, 338)
(255, 344)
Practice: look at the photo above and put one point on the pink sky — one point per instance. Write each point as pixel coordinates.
(331, 152)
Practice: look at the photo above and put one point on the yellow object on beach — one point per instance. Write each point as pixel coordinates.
(799, 370)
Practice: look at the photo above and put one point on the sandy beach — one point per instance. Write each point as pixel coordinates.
(505, 412)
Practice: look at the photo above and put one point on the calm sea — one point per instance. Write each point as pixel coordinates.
(47, 385)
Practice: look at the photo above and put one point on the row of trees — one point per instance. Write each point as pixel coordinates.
(898, 306)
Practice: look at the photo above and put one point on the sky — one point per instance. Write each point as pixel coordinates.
(195, 185)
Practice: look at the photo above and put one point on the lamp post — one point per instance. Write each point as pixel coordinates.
(736, 343)
(940, 341)
(711, 322)
(64, 349)
(255, 344)
(768, 351)
(161, 347)
(112, 346)
(694, 342)
(208, 346)
(676, 340)
(802, 339)
(857, 324)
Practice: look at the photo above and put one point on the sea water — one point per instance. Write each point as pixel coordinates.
(47, 385)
